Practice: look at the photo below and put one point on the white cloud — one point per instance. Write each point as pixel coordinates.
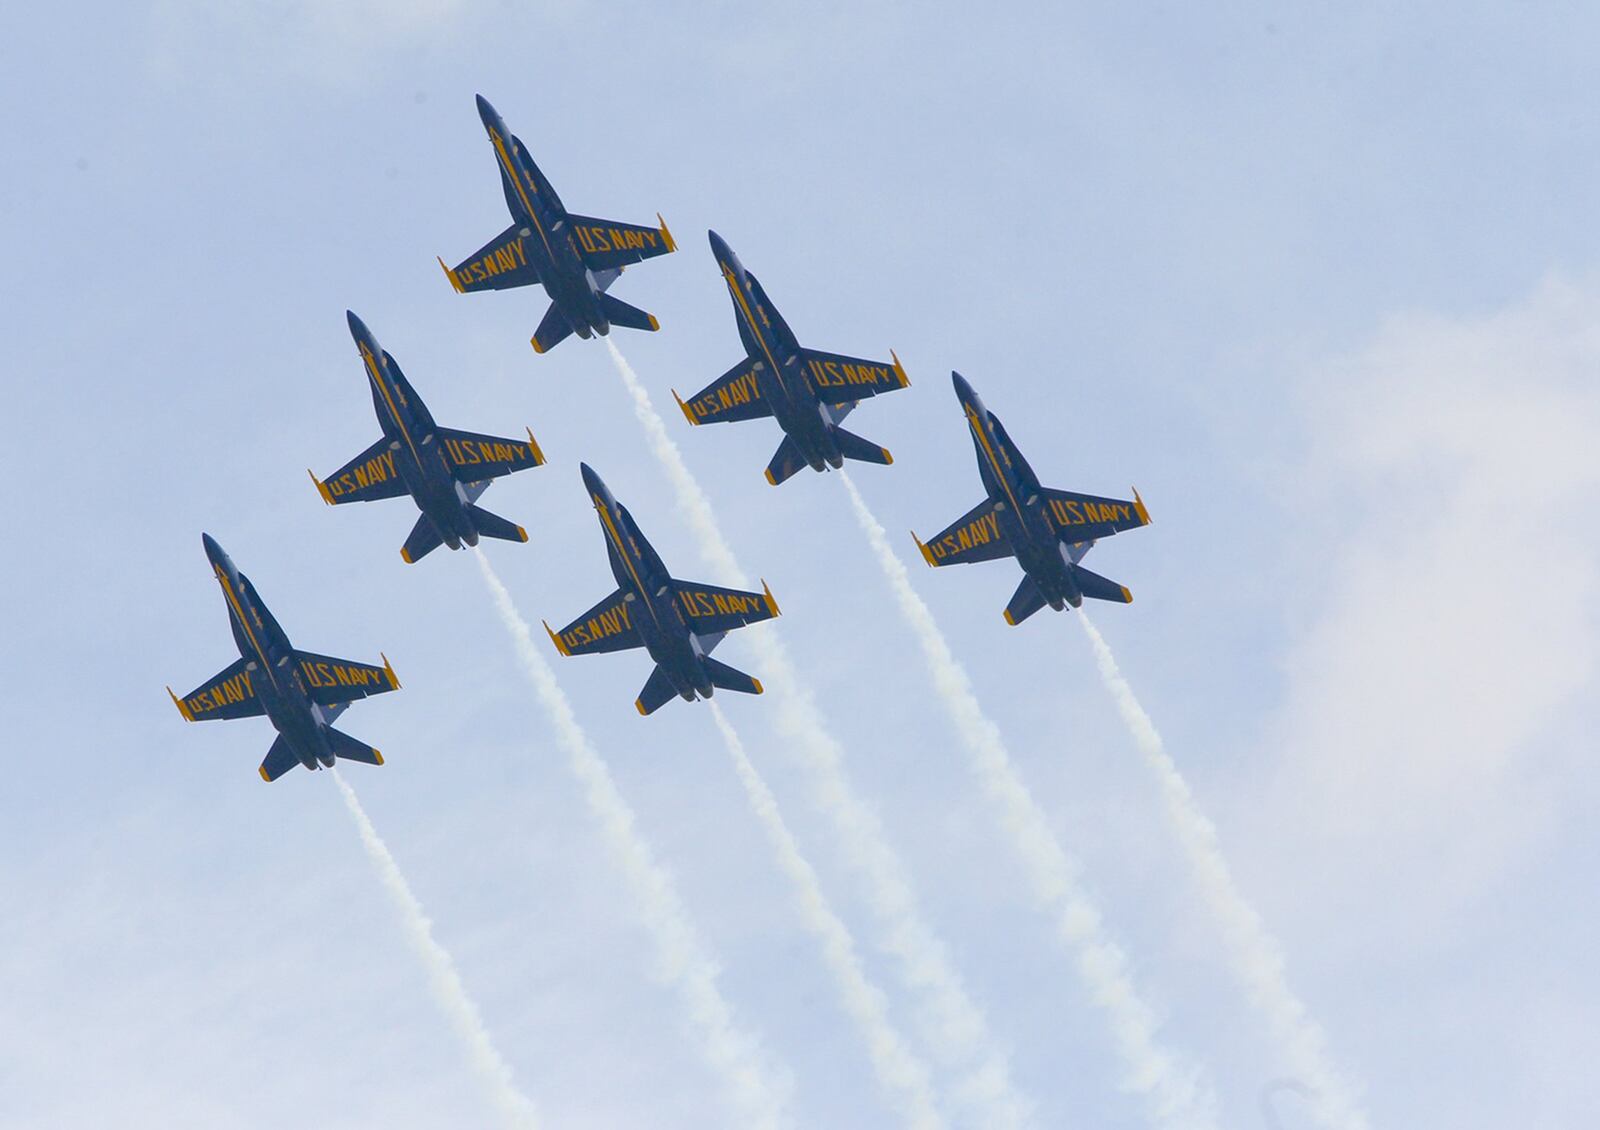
(1450, 489)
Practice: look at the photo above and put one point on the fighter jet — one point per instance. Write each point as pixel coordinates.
(444, 471)
(300, 692)
(576, 257)
(808, 391)
(677, 622)
(1047, 531)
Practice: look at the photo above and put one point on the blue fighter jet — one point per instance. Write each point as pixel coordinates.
(677, 622)
(1047, 531)
(300, 692)
(577, 258)
(444, 471)
(806, 390)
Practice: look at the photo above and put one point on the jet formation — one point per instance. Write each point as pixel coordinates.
(300, 692)
(807, 392)
(445, 471)
(576, 258)
(677, 622)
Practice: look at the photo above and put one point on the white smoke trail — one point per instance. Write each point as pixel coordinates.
(514, 1107)
(1172, 1089)
(899, 1071)
(683, 962)
(949, 1019)
(1257, 957)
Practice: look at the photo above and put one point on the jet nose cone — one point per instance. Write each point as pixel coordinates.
(358, 328)
(591, 480)
(963, 389)
(213, 550)
(719, 246)
(486, 111)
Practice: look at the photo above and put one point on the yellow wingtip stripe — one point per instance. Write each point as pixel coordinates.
(654, 325)
(263, 771)
(927, 555)
(405, 555)
(1138, 505)
(555, 639)
(534, 341)
(1009, 619)
(538, 452)
(672, 244)
(638, 704)
(322, 488)
(182, 708)
(1127, 597)
(394, 683)
(899, 369)
(888, 460)
(687, 414)
(759, 688)
(772, 605)
(377, 756)
(770, 479)
(451, 275)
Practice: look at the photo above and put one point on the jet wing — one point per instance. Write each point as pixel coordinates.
(1085, 517)
(607, 244)
(366, 478)
(975, 536)
(838, 379)
(330, 681)
(474, 458)
(500, 264)
(608, 626)
(230, 693)
(710, 610)
(736, 395)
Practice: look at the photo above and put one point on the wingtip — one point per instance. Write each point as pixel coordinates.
(263, 771)
(322, 487)
(654, 324)
(555, 639)
(927, 554)
(759, 688)
(688, 413)
(672, 244)
(394, 683)
(638, 704)
(888, 460)
(899, 369)
(534, 341)
(455, 283)
(183, 709)
(522, 533)
(770, 480)
(377, 757)
(1127, 597)
(405, 555)
(533, 445)
(1139, 507)
(772, 605)
(1009, 618)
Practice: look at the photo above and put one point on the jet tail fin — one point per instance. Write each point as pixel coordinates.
(730, 678)
(347, 748)
(1096, 587)
(658, 691)
(424, 540)
(785, 462)
(494, 526)
(1025, 602)
(852, 446)
(553, 328)
(619, 313)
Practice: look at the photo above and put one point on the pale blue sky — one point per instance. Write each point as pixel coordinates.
(1321, 280)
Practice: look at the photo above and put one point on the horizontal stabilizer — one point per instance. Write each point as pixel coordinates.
(494, 526)
(619, 313)
(279, 760)
(553, 329)
(1024, 602)
(730, 678)
(1096, 587)
(424, 540)
(852, 446)
(346, 748)
(658, 691)
(786, 461)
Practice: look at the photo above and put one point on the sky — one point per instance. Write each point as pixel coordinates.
(1321, 281)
